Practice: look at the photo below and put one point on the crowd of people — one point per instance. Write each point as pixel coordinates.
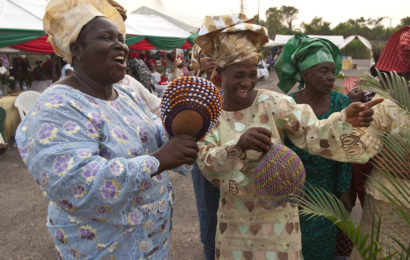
(19, 74)
(95, 145)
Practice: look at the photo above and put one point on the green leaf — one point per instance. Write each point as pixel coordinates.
(390, 86)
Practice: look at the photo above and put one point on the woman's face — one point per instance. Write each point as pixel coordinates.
(104, 51)
(152, 67)
(238, 83)
(320, 78)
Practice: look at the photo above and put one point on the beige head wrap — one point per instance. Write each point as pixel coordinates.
(119, 8)
(231, 39)
(195, 58)
(64, 20)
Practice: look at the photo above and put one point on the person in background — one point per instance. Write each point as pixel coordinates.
(3, 68)
(66, 70)
(152, 101)
(155, 75)
(4, 72)
(251, 120)
(21, 71)
(204, 66)
(269, 61)
(37, 74)
(94, 148)
(393, 120)
(4, 78)
(5, 60)
(179, 68)
(156, 78)
(316, 62)
(47, 68)
(140, 70)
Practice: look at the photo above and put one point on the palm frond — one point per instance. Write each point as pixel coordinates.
(318, 202)
(390, 86)
(396, 158)
(394, 162)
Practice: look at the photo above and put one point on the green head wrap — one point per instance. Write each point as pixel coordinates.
(301, 53)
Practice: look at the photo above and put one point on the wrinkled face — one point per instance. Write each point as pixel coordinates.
(238, 83)
(103, 50)
(320, 78)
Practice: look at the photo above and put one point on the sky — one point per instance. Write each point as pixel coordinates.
(193, 11)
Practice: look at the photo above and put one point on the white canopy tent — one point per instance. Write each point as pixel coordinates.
(149, 11)
(353, 37)
(338, 40)
(153, 25)
(22, 14)
(28, 14)
(272, 43)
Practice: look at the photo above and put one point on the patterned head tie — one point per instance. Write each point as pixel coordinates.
(190, 105)
(195, 58)
(231, 39)
(64, 20)
(278, 175)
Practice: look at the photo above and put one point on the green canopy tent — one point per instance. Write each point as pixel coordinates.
(21, 28)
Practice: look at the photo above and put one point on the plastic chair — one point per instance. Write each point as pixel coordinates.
(25, 101)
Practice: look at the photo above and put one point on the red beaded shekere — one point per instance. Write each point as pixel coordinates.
(191, 93)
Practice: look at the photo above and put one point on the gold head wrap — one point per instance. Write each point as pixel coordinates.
(64, 20)
(195, 58)
(231, 39)
(119, 8)
(196, 54)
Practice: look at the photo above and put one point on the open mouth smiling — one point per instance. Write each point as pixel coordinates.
(242, 92)
(120, 59)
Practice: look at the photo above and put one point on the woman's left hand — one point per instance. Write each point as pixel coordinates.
(361, 114)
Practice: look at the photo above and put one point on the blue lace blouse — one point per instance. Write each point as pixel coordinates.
(90, 158)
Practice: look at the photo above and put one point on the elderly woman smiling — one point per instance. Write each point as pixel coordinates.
(94, 148)
(252, 119)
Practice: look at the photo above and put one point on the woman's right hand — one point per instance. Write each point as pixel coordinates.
(177, 151)
(255, 138)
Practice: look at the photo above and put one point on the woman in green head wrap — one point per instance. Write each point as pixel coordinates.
(314, 62)
(301, 53)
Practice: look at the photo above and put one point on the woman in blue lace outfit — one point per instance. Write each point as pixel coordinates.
(95, 150)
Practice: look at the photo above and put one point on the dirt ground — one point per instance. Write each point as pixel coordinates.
(23, 212)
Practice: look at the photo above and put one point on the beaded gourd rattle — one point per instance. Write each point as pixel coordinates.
(190, 105)
(278, 175)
